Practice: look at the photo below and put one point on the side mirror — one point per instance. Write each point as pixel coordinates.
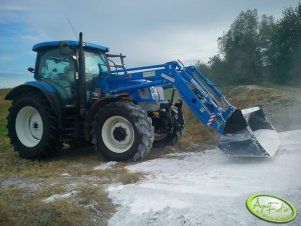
(30, 69)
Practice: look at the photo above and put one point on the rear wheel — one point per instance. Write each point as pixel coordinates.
(122, 131)
(33, 127)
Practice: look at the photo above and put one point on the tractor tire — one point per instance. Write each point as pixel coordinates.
(122, 131)
(167, 139)
(33, 127)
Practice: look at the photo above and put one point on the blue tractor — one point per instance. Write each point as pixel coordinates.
(82, 97)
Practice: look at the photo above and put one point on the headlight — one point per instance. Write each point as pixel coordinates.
(154, 93)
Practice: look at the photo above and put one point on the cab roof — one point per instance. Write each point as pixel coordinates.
(44, 45)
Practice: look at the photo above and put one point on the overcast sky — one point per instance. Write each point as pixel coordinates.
(147, 31)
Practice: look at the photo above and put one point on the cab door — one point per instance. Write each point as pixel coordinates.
(58, 70)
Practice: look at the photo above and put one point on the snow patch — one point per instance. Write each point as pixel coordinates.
(105, 166)
(208, 188)
(66, 175)
(56, 197)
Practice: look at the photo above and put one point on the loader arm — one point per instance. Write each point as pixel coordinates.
(192, 90)
(243, 132)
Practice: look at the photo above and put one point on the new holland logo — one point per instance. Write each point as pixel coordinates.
(271, 208)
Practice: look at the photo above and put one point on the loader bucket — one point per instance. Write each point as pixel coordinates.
(249, 133)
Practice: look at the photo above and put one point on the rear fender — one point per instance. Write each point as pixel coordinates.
(38, 87)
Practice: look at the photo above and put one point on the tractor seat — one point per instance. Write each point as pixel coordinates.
(69, 73)
(66, 80)
(64, 83)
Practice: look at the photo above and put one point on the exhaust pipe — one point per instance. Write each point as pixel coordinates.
(249, 133)
(82, 98)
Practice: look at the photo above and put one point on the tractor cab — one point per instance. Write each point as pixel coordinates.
(57, 64)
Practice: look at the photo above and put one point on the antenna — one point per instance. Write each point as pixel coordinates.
(181, 63)
(72, 28)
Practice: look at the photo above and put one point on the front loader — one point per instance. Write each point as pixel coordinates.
(82, 97)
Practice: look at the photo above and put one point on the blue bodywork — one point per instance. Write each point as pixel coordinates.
(42, 45)
(192, 84)
(43, 85)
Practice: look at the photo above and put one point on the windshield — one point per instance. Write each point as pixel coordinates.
(92, 60)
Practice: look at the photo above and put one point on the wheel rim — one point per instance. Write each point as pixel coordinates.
(29, 126)
(118, 134)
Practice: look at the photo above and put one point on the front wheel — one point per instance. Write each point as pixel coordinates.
(32, 127)
(122, 131)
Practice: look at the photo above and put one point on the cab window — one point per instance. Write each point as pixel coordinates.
(95, 63)
(54, 66)
(59, 71)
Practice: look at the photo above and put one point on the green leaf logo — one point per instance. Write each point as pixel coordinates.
(271, 208)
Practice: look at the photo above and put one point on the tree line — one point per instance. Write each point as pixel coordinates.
(256, 50)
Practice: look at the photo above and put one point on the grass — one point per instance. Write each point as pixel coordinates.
(3, 111)
(22, 207)
(25, 183)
